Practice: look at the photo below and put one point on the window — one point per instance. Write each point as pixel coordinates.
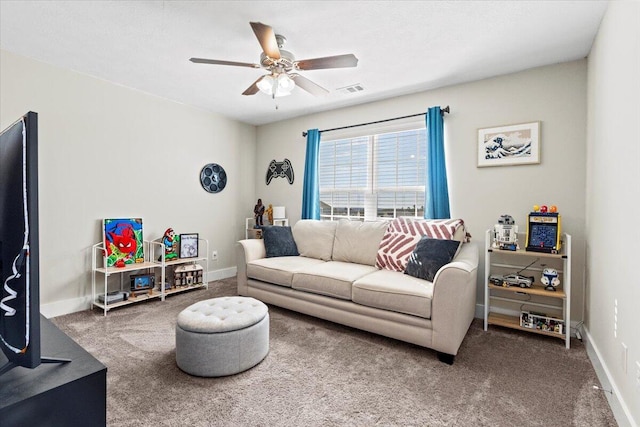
(375, 176)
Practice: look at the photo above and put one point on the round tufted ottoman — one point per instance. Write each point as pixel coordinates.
(222, 336)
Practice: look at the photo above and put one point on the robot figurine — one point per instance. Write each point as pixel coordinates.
(505, 234)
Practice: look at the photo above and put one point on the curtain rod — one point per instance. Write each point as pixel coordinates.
(442, 111)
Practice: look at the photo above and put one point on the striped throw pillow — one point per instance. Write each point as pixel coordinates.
(403, 234)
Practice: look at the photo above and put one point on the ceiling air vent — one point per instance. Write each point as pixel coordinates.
(355, 88)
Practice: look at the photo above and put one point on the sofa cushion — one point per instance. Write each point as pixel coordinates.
(278, 241)
(278, 270)
(314, 238)
(402, 236)
(358, 241)
(395, 291)
(333, 278)
(429, 256)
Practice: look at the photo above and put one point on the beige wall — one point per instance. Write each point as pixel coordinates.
(554, 95)
(109, 151)
(613, 199)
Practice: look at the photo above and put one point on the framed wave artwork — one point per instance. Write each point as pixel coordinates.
(517, 144)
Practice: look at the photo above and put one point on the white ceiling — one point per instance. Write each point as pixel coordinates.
(402, 46)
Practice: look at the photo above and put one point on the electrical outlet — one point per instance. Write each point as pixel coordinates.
(214, 255)
(624, 357)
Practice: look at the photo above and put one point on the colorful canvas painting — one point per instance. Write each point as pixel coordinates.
(123, 241)
(509, 145)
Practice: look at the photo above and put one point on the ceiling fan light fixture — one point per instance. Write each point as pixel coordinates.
(276, 85)
(285, 84)
(266, 84)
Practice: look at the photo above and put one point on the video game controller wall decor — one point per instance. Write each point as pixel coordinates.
(282, 169)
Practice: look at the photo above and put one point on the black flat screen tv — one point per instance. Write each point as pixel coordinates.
(19, 257)
(19, 246)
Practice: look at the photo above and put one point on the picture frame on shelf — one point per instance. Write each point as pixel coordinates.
(188, 245)
(123, 241)
(510, 145)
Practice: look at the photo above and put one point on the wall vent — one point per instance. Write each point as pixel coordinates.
(354, 88)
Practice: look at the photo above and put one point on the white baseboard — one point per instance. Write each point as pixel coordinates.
(618, 406)
(60, 308)
(223, 273)
(479, 311)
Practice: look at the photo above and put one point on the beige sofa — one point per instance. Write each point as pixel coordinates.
(335, 278)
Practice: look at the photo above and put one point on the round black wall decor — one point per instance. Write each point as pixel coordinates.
(213, 178)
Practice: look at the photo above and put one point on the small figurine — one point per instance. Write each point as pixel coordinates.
(119, 263)
(550, 279)
(258, 211)
(505, 234)
(170, 246)
(269, 213)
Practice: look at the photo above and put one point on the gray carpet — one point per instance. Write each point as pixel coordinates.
(318, 373)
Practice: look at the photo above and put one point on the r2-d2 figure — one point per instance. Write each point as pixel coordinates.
(505, 234)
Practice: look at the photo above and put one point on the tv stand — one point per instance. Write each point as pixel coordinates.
(10, 365)
(65, 393)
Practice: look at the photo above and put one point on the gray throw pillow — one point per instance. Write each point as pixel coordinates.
(429, 256)
(278, 241)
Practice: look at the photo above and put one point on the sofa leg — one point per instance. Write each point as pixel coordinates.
(446, 358)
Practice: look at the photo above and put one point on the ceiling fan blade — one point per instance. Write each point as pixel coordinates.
(253, 89)
(218, 62)
(267, 39)
(308, 85)
(338, 61)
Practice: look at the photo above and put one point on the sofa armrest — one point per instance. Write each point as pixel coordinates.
(246, 251)
(454, 300)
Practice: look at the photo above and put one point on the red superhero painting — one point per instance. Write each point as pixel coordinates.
(123, 241)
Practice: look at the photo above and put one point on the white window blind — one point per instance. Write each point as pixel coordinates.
(374, 176)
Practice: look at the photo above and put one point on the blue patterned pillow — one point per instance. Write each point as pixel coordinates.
(429, 256)
(278, 241)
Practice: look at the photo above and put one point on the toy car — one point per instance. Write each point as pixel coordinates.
(496, 279)
(518, 280)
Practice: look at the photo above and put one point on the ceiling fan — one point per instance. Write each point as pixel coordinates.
(282, 65)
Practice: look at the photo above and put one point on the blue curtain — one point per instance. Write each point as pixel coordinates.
(311, 184)
(436, 191)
